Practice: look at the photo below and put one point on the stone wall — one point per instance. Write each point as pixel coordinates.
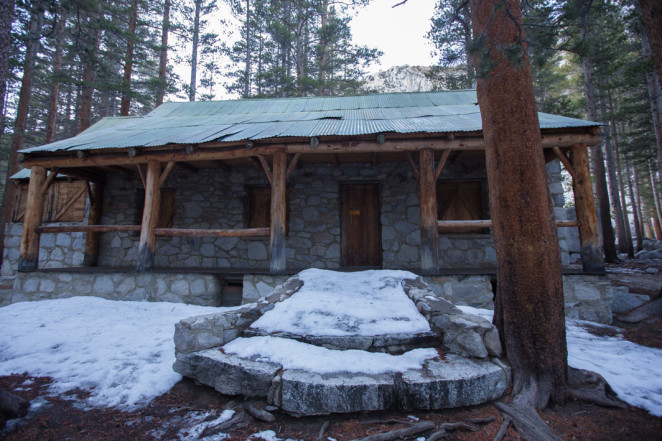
(61, 250)
(191, 288)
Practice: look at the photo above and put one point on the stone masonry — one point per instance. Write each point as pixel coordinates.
(219, 199)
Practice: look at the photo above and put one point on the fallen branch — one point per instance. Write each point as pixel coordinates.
(259, 414)
(320, 436)
(400, 433)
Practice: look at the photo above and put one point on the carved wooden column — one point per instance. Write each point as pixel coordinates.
(147, 244)
(91, 257)
(278, 213)
(34, 213)
(589, 236)
(428, 203)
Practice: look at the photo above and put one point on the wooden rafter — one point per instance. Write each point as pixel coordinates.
(187, 166)
(222, 165)
(141, 172)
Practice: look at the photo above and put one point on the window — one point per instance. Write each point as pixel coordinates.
(166, 208)
(462, 200)
(65, 201)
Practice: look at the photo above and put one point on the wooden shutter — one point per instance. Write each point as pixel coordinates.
(259, 207)
(460, 200)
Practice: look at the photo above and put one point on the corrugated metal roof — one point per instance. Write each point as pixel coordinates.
(252, 119)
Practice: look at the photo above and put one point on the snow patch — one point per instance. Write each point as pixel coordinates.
(292, 354)
(332, 303)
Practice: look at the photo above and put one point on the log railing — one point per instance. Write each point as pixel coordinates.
(180, 232)
(447, 225)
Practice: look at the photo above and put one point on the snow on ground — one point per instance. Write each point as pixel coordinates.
(294, 354)
(334, 303)
(121, 351)
(633, 371)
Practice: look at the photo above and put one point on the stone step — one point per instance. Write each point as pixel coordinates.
(441, 383)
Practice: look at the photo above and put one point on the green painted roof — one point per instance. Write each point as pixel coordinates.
(256, 119)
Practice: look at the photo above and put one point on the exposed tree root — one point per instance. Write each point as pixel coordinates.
(446, 428)
(503, 430)
(237, 421)
(400, 433)
(320, 435)
(527, 421)
(642, 312)
(591, 387)
(259, 414)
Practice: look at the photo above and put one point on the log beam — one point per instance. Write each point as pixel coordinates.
(589, 237)
(34, 213)
(147, 244)
(278, 213)
(192, 232)
(449, 225)
(221, 151)
(428, 204)
(91, 256)
(85, 228)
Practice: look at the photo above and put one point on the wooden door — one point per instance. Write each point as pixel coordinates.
(361, 236)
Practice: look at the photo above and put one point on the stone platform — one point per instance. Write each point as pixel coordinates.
(468, 370)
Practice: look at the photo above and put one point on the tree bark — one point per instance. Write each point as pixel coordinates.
(323, 58)
(6, 19)
(57, 65)
(32, 45)
(652, 13)
(247, 70)
(597, 159)
(34, 212)
(125, 105)
(635, 210)
(656, 201)
(89, 57)
(163, 53)
(529, 298)
(194, 51)
(653, 98)
(614, 195)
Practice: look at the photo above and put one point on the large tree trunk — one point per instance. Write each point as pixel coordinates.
(89, 57)
(249, 44)
(653, 97)
(529, 298)
(635, 210)
(323, 48)
(34, 37)
(656, 200)
(163, 55)
(57, 65)
(652, 14)
(598, 165)
(614, 195)
(6, 18)
(194, 51)
(125, 105)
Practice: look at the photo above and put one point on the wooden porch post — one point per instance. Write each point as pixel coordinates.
(428, 203)
(147, 243)
(589, 237)
(91, 257)
(34, 213)
(278, 213)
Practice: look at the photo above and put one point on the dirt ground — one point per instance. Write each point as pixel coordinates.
(168, 417)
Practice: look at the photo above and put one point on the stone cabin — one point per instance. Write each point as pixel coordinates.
(217, 202)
